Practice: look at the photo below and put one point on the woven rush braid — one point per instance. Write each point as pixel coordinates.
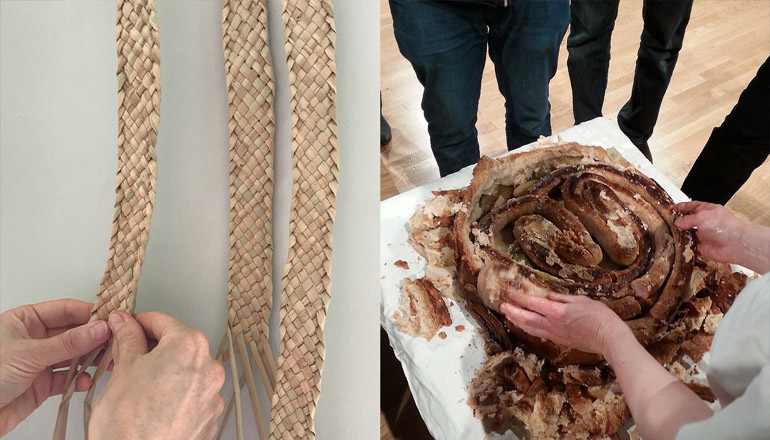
(251, 124)
(306, 282)
(138, 114)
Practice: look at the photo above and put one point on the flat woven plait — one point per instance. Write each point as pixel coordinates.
(250, 98)
(138, 113)
(306, 283)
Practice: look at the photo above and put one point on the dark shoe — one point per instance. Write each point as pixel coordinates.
(385, 135)
(645, 149)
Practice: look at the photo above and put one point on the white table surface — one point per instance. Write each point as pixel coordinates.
(440, 371)
(57, 173)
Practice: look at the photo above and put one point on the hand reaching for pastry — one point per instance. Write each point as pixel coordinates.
(569, 320)
(170, 392)
(659, 402)
(36, 339)
(722, 237)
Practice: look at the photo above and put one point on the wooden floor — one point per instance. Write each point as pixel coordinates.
(725, 43)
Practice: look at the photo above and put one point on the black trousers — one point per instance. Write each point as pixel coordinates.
(588, 44)
(735, 148)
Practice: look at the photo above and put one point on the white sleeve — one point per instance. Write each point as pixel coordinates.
(745, 418)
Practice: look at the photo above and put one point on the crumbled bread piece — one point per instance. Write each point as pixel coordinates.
(502, 392)
(444, 279)
(698, 344)
(423, 308)
(711, 322)
(678, 371)
(530, 362)
(402, 264)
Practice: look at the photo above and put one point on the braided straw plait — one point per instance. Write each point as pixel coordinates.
(250, 96)
(138, 113)
(306, 282)
(251, 124)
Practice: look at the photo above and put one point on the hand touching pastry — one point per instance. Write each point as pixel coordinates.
(722, 237)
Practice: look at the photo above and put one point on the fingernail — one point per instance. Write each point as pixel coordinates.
(505, 307)
(99, 331)
(116, 320)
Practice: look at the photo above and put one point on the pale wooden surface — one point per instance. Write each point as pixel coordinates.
(725, 43)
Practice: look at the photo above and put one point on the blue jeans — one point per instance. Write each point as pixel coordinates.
(446, 44)
(591, 25)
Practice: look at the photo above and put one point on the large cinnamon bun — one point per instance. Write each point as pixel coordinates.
(569, 219)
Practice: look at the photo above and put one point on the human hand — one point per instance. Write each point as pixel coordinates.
(569, 320)
(35, 340)
(719, 233)
(170, 393)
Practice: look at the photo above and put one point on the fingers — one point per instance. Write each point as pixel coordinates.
(692, 206)
(129, 339)
(63, 312)
(526, 320)
(553, 296)
(688, 221)
(58, 379)
(517, 315)
(157, 324)
(537, 304)
(694, 213)
(69, 344)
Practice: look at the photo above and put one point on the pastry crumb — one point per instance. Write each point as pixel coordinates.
(402, 264)
(423, 309)
(460, 328)
(442, 335)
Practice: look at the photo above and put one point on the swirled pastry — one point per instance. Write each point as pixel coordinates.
(576, 220)
(569, 219)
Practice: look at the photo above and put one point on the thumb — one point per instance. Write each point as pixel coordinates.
(129, 340)
(688, 221)
(71, 344)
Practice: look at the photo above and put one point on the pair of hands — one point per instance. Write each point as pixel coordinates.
(171, 391)
(587, 325)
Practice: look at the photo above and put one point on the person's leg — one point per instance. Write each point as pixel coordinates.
(446, 45)
(736, 148)
(662, 36)
(385, 134)
(588, 44)
(524, 40)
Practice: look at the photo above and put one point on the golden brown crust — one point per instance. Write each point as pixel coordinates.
(423, 309)
(559, 393)
(629, 214)
(574, 402)
(513, 385)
